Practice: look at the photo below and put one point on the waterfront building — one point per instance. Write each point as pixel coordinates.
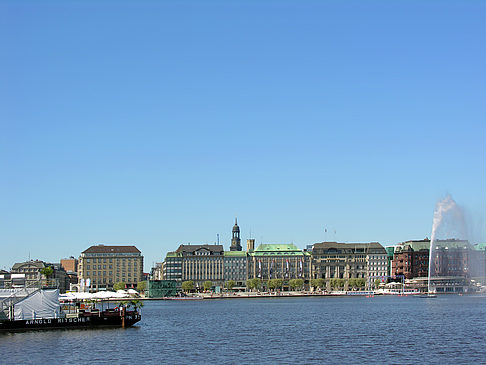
(390, 250)
(161, 288)
(30, 269)
(348, 260)
(279, 261)
(202, 263)
(411, 259)
(376, 263)
(157, 272)
(29, 274)
(102, 266)
(451, 258)
(70, 265)
(454, 266)
(235, 238)
(478, 262)
(235, 267)
(5, 279)
(172, 267)
(457, 266)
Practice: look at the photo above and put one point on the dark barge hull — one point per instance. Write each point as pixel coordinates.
(91, 321)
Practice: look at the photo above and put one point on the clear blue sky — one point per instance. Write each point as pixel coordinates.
(155, 123)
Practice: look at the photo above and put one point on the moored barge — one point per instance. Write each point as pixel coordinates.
(41, 310)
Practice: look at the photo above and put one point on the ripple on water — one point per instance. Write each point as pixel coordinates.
(265, 331)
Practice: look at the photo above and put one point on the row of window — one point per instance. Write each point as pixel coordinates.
(88, 273)
(110, 254)
(99, 260)
(88, 267)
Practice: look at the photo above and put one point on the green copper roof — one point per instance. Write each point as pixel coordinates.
(277, 249)
(234, 253)
(480, 246)
(173, 254)
(390, 250)
(418, 245)
(453, 243)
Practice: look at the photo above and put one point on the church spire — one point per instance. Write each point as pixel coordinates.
(235, 238)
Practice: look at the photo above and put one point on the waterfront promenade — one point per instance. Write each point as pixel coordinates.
(284, 294)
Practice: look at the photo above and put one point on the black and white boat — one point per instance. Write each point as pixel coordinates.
(40, 309)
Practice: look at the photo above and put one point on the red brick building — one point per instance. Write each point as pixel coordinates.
(411, 259)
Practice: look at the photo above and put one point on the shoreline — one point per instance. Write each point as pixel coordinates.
(274, 295)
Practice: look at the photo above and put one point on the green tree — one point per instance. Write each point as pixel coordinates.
(361, 282)
(352, 283)
(377, 283)
(135, 304)
(207, 285)
(299, 284)
(47, 271)
(254, 283)
(296, 284)
(292, 284)
(119, 286)
(318, 283)
(230, 284)
(187, 285)
(142, 286)
(337, 283)
(272, 284)
(278, 283)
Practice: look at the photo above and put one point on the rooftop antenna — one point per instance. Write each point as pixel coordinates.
(218, 237)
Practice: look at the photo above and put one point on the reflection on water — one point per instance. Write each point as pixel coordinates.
(298, 330)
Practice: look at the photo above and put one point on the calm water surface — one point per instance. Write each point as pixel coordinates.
(398, 330)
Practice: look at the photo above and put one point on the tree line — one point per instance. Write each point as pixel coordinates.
(275, 284)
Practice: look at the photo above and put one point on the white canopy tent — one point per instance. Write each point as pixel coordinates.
(41, 304)
(102, 295)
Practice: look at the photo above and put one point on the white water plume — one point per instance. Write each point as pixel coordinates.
(449, 222)
(452, 254)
